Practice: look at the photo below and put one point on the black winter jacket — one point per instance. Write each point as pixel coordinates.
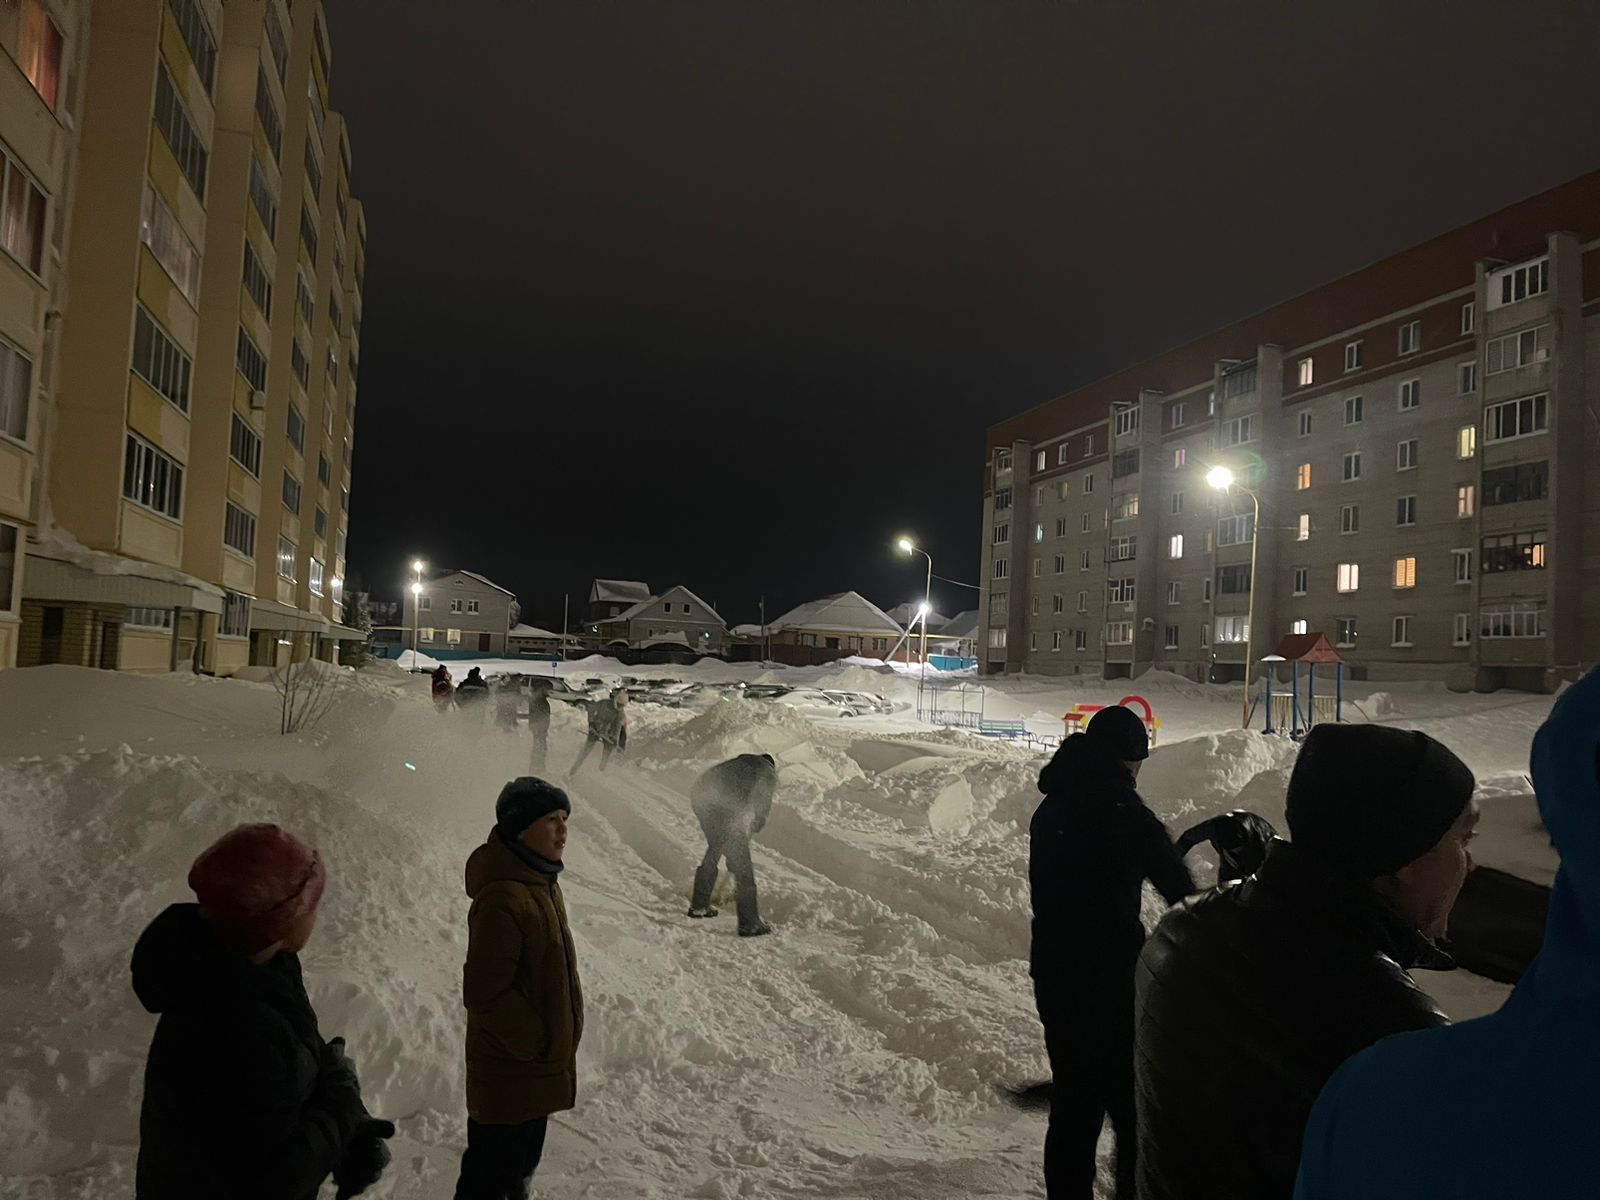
(739, 790)
(1249, 997)
(1092, 844)
(241, 1096)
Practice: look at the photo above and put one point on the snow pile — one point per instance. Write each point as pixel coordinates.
(1187, 781)
(747, 727)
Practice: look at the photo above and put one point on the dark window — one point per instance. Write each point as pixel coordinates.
(173, 121)
(313, 170)
(291, 493)
(1233, 580)
(251, 362)
(158, 360)
(277, 43)
(196, 36)
(239, 530)
(308, 231)
(1510, 485)
(256, 282)
(244, 446)
(1124, 462)
(267, 111)
(297, 429)
(261, 196)
(1513, 552)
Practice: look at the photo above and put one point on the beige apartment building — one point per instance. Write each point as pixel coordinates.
(41, 96)
(1423, 443)
(195, 464)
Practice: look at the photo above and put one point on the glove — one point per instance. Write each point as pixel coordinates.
(364, 1158)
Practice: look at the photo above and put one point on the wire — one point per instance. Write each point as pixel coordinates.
(975, 587)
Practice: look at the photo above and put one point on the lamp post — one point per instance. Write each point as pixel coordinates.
(1222, 479)
(908, 548)
(416, 606)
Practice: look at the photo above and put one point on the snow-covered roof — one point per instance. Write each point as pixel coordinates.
(620, 591)
(531, 631)
(481, 579)
(962, 625)
(675, 638)
(746, 631)
(904, 614)
(850, 612)
(640, 607)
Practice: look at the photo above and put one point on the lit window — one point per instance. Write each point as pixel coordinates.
(1466, 441)
(1466, 496)
(1175, 546)
(1039, 461)
(1302, 476)
(1304, 532)
(1405, 572)
(34, 41)
(1038, 533)
(1298, 626)
(1307, 371)
(1349, 578)
(1402, 632)
(1179, 457)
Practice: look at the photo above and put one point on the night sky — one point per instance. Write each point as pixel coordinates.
(725, 294)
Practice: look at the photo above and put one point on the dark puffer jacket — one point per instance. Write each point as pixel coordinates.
(737, 791)
(1092, 844)
(1248, 999)
(241, 1096)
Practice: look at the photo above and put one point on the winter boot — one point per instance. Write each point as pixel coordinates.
(704, 881)
(748, 901)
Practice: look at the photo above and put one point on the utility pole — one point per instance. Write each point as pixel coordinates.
(766, 649)
(565, 600)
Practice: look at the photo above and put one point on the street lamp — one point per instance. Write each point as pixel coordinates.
(1223, 480)
(417, 566)
(908, 548)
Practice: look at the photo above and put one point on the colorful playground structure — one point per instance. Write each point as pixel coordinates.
(1285, 712)
(1079, 714)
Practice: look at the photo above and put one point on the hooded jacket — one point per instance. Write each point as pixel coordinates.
(738, 791)
(520, 985)
(1505, 1105)
(1249, 996)
(1092, 844)
(241, 1096)
(608, 722)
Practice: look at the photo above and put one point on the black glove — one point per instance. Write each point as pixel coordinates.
(337, 1077)
(364, 1158)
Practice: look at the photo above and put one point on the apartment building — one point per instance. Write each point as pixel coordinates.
(192, 510)
(42, 49)
(1416, 452)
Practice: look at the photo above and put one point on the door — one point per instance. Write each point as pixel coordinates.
(483, 642)
(54, 622)
(110, 634)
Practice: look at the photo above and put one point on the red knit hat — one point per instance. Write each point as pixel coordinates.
(256, 883)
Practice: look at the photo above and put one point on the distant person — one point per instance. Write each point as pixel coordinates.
(524, 1002)
(1250, 996)
(538, 725)
(1505, 1105)
(242, 1097)
(473, 690)
(443, 688)
(1092, 844)
(732, 802)
(608, 729)
(1239, 839)
(508, 703)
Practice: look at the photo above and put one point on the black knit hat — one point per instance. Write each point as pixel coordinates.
(523, 801)
(1119, 730)
(1368, 799)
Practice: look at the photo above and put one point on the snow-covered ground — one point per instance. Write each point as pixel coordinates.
(856, 1053)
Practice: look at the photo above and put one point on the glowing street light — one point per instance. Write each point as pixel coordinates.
(907, 547)
(1222, 479)
(416, 606)
(417, 565)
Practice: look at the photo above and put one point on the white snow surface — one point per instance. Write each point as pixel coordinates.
(855, 1053)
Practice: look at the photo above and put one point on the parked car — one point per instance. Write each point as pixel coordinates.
(765, 691)
(867, 701)
(857, 704)
(814, 702)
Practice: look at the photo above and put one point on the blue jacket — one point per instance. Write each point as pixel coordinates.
(1507, 1105)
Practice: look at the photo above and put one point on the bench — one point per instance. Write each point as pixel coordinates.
(1004, 729)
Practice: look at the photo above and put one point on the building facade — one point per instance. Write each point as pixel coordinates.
(195, 477)
(1416, 456)
(677, 617)
(459, 612)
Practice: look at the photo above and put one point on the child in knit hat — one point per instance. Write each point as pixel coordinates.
(242, 1097)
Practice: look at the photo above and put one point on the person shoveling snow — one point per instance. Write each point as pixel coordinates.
(732, 802)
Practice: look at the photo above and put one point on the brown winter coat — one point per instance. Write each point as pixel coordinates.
(520, 984)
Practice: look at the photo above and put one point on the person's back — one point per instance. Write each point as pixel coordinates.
(1249, 998)
(1251, 995)
(742, 786)
(1092, 843)
(1506, 1105)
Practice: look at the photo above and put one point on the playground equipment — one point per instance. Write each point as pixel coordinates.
(956, 705)
(1079, 714)
(1285, 714)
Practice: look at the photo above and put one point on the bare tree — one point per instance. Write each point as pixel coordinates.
(305, 696)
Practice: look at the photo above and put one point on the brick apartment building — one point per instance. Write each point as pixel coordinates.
(1423, 440)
